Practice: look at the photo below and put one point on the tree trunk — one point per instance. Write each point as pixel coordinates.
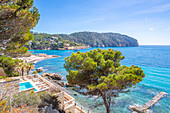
(10, 107)
(107, 108)
(28, 72)
(22, 71)
(106, 103)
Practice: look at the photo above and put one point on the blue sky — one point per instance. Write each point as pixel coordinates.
(146, 20)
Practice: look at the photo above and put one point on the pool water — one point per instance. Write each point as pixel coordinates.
(25, 85)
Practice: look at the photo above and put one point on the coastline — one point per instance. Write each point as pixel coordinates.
(37, 58)
(74, 47)
(67, 48)
(155, 70)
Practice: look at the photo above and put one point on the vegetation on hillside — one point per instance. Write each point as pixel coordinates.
(35, 100)
(14, 67)
(53, 42)
(49, 42)
(30, 101)
(17, 18)
(9, 64)
(95, 39)
(100, 73)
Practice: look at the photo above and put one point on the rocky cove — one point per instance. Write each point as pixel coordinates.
(57, 78)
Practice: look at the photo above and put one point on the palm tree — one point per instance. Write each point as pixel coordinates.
(29, 67)
(22, 68)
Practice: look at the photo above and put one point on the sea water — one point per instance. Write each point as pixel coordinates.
(154, 60)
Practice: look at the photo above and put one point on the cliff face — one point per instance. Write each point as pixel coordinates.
(94, 39)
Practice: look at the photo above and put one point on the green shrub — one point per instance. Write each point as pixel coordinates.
(2, 77)
(31, 91)
(34, 72)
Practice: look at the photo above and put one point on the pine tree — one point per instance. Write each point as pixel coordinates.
(17, 18)
(101, 73)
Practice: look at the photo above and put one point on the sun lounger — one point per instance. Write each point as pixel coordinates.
(39, 83)
(24, 79)
(29, 77)
(44, 88)
(35, 79)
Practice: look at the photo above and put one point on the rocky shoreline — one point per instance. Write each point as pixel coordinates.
(74, 48)
(57, 78)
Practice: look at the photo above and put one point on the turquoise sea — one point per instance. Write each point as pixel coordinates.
(154, 60)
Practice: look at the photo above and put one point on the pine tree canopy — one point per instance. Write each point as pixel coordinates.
(101, 73)
(17, 18)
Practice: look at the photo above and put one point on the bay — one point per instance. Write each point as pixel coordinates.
(154, 60)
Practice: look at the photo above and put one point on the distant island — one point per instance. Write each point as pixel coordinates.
(80, 40)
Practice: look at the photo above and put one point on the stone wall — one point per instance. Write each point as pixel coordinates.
(60, 97)
(2, 72)
(9, 86)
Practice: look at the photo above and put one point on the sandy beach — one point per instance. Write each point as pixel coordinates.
(37, 58)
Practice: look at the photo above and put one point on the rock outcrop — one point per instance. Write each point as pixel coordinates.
(49, 109)
(53, 76)
(39, 70)
(59, 83)
(69, 85)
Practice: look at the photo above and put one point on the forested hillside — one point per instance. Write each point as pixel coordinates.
(101, 39)
(43, 41)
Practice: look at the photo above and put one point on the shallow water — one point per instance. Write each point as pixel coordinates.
(154, 60)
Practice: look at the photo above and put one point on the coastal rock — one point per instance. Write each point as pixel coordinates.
(56, 76)
(45, 74)
(49, 109)
(60, 83)
(2, 72)
(53, 76)
(69, 85)
(39, 70)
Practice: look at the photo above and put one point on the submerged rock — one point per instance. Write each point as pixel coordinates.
(75, 94)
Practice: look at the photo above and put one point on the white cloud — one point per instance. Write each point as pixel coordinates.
(151, 29)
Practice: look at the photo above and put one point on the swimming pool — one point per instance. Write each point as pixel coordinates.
(25, 85)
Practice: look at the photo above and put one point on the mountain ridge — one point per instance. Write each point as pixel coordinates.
(86, 39)
(101, 39)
